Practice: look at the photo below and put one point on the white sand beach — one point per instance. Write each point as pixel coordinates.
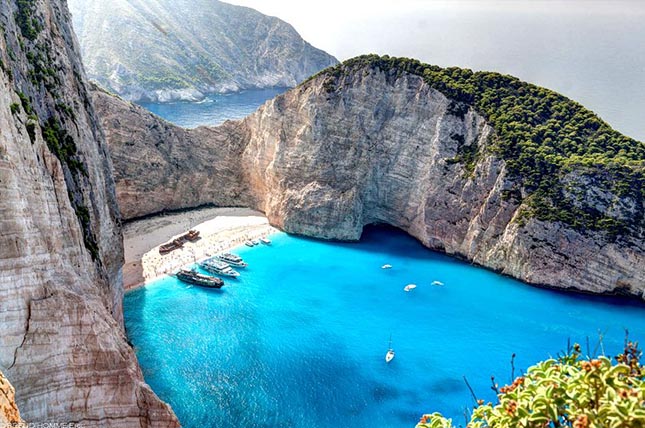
(220, 230)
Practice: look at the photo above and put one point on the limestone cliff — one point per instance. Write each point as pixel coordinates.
(62, 342)
(164, 50)
(160, 166)
(9, 413)
(361, 145)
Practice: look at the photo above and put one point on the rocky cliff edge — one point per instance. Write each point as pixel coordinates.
(364, 144)
(61, 252)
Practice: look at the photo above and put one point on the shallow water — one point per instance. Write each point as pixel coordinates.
(299, 339)
(215, 109)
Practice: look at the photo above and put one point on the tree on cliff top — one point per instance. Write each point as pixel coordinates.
(542, 136)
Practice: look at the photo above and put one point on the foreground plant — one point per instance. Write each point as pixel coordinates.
(568, 392)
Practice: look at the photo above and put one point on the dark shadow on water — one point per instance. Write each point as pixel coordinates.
(446, 386)
(399, 242)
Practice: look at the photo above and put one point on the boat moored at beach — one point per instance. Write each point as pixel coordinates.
(219, 268)
(170, 246)
(231, 259)
(265, 240)
(192, 277)
(175, 244)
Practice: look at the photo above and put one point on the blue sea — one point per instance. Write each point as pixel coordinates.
(215, 109)
(299, 339)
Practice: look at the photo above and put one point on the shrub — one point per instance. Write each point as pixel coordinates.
(568, 392)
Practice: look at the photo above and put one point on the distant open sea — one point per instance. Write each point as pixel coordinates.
(215, 109)
(299, 339)
(590, 51)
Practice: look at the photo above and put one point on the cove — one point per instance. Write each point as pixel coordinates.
(299, 339)
(215, 109)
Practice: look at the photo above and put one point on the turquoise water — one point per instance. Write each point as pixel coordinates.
(299, 339)
(215, 108)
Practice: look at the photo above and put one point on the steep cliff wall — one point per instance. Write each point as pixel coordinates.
(163, 50)
(384, 150)
(62, 342)
(367, 145)
(163, 167)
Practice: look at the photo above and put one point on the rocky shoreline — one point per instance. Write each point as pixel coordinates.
(376, 150)
(221, 229)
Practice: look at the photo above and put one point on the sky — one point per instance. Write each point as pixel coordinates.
(346, 28)
(591, 51)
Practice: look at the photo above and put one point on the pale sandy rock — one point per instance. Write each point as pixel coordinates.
(166, 50)
(164, 167)
(376, 149)
(9, 413)
(62, 342)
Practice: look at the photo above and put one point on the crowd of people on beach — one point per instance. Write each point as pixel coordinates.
(155, 265)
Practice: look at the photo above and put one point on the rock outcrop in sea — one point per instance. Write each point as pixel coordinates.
(361, 144)
(61, 253)
(166, 50)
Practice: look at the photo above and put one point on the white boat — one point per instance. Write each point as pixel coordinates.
(410, 287)
(265, 240)
(389, 356)
(231, 259)
(437, 283)
(386, 267)
(218, 268)
(255, 242)
(249, 243)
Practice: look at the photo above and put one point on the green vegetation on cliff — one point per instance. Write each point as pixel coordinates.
(542, 135)
(568, 392)
(28, 24)
(43, 74)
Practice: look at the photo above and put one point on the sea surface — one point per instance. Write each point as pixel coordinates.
(215, 109)
(299, 339)
(591, 51)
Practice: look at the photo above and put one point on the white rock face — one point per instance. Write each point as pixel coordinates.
(164, 167)
(379, 150)
(168, 50)
(376, 149)
(62, 342)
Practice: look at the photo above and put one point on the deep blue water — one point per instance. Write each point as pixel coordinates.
(299, 340)
(214, 109)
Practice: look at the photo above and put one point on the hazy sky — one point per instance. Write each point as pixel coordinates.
(347, 28)
(592, 51)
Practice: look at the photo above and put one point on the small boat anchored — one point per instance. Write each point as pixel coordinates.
(231, 259)
(386, 267)
(192, 277)
(218, 268)
(437, 283)
(410, 287)
(249, 244)
(389, 356)
(265, 240)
